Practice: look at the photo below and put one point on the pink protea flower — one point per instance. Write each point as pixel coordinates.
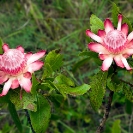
(112, 44)
(16, 68)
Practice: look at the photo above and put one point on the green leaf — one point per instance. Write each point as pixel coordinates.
(40, 118)
(97, 91)
(27, 101)
(89, 53)
(96, 23)
(34, 84)
(128, 91)
(4, 99)
(1, 43)
(14, 115)
(48, 85)
(116, 127)
(74, 91)
(47, 70)
(115, 12)
(53, 62)
(66, 86)
(62, 79)
(113, 86)
(87, 56)
(79, 90)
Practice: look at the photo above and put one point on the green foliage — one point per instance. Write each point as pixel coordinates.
(130, 61)
(116, 127)
(1, 43)
(53, 62)
(87, 56)
(96, 23)
(35, 12)
(40, 118)
(48, 24)
(68, 129)
(14, 115)
(34, 84)
(128, 91)
(62, 79)
(92, 55)
(128, 107)
(115, 11)
(88, 53)
(26, 102)
(114, 86)
(66, 86)
(97, 91)
(80, 63)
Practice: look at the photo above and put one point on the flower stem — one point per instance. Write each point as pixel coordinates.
(29, 120)
(108, 106)
(106, 114)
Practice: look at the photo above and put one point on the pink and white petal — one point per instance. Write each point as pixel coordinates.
(128, 51)
(119, 61)
(28, 55)
(25, 83)
(3, 79)
(6, 87)
(37, 65)
(130, 44)
(125, 55)
(36, 56)
(126, 63)
(27, 75)
(130, 36)
(124, 29)
(101, 33)
(98, 48)
(94, 36)
(1, 55)
(5, 47)
(107, 63)
(103, 56)
(108, 25)
(20, 48)
(119, 22)
(15, 84)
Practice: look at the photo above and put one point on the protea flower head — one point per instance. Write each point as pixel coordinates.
(16, 68)
(112, 44)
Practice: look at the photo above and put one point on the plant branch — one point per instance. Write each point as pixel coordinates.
(106, 114)
(29, 120)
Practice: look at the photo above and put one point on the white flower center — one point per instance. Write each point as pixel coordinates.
(115, 41)
(13, 62)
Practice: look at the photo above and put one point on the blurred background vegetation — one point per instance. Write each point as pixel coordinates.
(61, 24)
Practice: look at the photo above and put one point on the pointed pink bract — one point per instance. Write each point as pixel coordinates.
(5, 47)
(108, 25)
